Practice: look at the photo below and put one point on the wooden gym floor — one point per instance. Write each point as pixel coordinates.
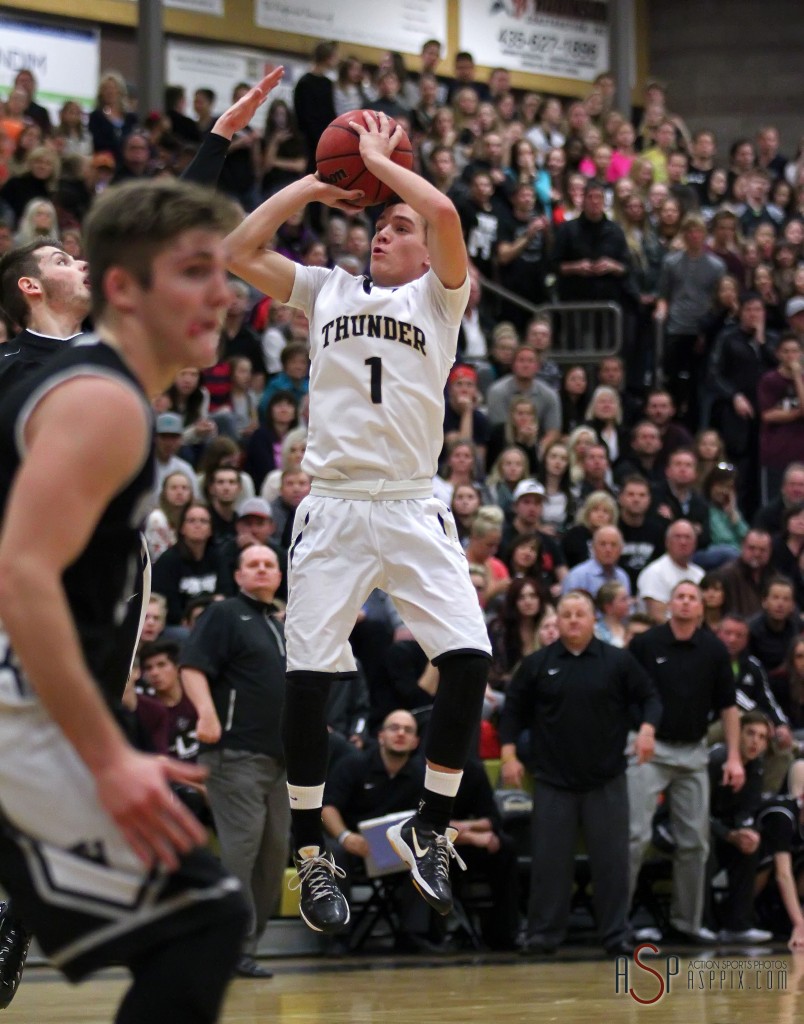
(504, 989)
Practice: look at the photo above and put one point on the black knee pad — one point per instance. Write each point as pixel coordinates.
(457, 708)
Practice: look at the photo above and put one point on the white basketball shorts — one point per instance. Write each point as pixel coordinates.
(345, 547)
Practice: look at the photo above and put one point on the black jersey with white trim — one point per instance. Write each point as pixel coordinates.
(100, 582)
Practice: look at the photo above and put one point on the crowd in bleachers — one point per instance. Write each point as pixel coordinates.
(698, 238)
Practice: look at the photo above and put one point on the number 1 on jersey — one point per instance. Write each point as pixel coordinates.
(376, 379)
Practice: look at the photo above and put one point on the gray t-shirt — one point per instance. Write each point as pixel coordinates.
(689, 285)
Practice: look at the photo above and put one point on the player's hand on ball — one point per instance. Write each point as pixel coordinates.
(346, 200)
(375, 134)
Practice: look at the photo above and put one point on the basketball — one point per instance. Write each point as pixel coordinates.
(338, 160)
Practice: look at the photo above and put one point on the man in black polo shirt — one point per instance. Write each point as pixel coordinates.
(233, 670)
(373, 783)
(574, 695)
(691, 669)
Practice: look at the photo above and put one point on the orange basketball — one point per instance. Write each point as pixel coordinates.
(338, 160)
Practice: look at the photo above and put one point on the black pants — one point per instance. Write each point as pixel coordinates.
(602, 815)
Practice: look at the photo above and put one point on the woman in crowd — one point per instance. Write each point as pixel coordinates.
(464, 506)
(38, 221)
(771, 299)
(189, 567)
(599, 509)
(548, 132)
(715, 191)
(574, 397)
(726, 524)
(264, 449)
(614, 606)
(641, 174)
(190, 399)
(294, 444)
(791, 698)
(522, 169)
(442, 132)
(242, 399)
(624, 154)
(284, 153)
(570, 206)
(551, 183)
(788, 545)
(710, 450)
(162, 524)
(521, 428)
(559, 504)
(713, 594)
(514, 630)
(725, 311)
(605, 415)
(578, 443)
(348, 92)
(30, 138)
(510, 468)
(530, 556)
(460, 468)
(71, 135)
(485, 535)
(668, 228)
(37, 181)
(111, 121)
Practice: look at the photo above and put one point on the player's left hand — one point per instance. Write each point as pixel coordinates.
(240, 113)
(375, 134)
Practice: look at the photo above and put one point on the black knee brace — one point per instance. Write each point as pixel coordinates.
(457, 707)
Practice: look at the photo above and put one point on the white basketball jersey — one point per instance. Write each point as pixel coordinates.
(380, 360)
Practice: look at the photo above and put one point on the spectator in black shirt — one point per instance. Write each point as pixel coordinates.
(314, 98)
(773, 629)
(691, 670)
(190, 566)
(735, 836)
(575, 696)
(233, 670)
(753, 693)
(678, 498)
(769, 517)
(643, 533)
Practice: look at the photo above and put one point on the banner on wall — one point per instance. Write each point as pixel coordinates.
(561, 38)
(65, 62)
(213, 7)
(221, 68)
(403, 25)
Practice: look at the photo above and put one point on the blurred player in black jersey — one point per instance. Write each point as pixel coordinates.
(101, 858)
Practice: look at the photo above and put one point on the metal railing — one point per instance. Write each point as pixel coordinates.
(582, 331)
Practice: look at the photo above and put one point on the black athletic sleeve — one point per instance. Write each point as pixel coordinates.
(205, 167)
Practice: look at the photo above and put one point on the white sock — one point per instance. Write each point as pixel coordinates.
(444, 783)
(305, 798)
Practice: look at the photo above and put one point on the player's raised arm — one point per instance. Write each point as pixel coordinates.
(246, 252)
(445, 243)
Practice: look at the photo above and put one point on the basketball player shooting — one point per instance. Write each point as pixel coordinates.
(381, 351)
